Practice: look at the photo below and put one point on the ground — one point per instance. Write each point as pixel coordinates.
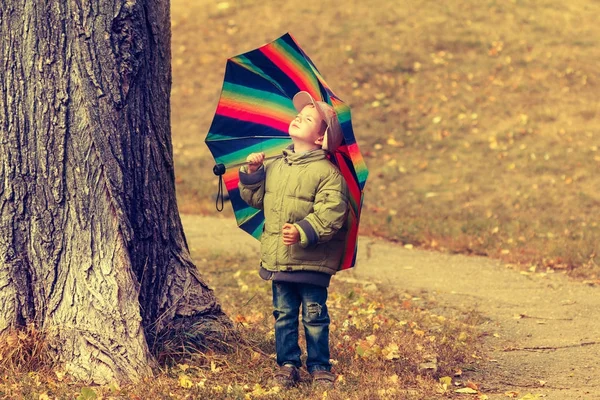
(542, 329)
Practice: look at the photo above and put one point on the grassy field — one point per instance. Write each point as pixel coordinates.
(479, 121)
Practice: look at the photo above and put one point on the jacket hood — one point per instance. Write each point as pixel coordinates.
(290, 157)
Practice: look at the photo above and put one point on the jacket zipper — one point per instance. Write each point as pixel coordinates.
(280, 242)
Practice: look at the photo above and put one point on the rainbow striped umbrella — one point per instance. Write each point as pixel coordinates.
(253, 115)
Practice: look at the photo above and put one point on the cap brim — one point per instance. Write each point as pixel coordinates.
(302, 99)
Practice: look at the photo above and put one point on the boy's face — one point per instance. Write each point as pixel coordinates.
(307, 127)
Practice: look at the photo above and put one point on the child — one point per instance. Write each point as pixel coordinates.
(304, 199)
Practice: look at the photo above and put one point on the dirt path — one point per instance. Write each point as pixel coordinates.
(544, 334)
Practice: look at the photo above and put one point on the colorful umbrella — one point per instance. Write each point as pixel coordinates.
(253, 115)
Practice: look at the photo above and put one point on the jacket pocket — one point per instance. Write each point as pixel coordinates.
(311, 254)
(268, 248)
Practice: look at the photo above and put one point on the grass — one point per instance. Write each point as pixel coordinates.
(380, 337)
(478, 120)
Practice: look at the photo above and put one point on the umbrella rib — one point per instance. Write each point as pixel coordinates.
(246, 138)
(245, 162)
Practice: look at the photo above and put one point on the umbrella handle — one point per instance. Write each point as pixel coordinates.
(219, 169)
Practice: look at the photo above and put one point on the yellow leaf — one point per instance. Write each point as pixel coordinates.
(214, 368)
(183, 367)
(392, 142)
(391, 352)
(258, 390)
(466, 390)
(185, 381)
(60, 375)
(371, 339)
(446, 381)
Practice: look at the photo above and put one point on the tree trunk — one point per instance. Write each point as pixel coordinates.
(92, 248)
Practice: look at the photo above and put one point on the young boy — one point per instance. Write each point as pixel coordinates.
(304, 199)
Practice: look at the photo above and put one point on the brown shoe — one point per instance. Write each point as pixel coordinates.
(323, 379)
(286, 376)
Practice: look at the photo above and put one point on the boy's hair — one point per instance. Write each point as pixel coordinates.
(333, 130)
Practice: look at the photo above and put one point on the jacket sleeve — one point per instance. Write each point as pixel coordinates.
(252, 186)
(329, 212)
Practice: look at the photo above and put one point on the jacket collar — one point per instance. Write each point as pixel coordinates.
(290, 157)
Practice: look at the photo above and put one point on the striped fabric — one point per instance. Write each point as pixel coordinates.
(253, 115)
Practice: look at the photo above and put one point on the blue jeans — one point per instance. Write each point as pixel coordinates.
(287, 298)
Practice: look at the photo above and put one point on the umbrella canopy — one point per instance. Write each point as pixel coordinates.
(253, 115)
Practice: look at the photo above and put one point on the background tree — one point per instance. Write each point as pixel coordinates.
(92, 250)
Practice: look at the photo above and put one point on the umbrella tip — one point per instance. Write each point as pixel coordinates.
(219, 169)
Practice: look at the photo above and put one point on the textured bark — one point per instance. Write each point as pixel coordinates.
(91, 245)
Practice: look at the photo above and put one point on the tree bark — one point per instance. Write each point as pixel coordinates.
(92, 248)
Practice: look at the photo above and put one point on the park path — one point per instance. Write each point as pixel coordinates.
(544, 329)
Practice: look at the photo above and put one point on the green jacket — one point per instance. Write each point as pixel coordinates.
(306, 190)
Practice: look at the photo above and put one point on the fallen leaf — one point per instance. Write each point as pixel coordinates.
(214, 368)
(446, 381)
(87, 394)
(391, 352)
(185, 381)
(183, 367)
(466, 390)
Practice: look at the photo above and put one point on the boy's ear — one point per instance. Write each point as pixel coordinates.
(319, 140)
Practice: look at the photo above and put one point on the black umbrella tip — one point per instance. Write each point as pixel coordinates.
(219, 169)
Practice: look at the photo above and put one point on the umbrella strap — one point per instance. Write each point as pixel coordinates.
(219, 199)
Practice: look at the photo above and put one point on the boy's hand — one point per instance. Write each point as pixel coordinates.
(290, 234)
(255, 160)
